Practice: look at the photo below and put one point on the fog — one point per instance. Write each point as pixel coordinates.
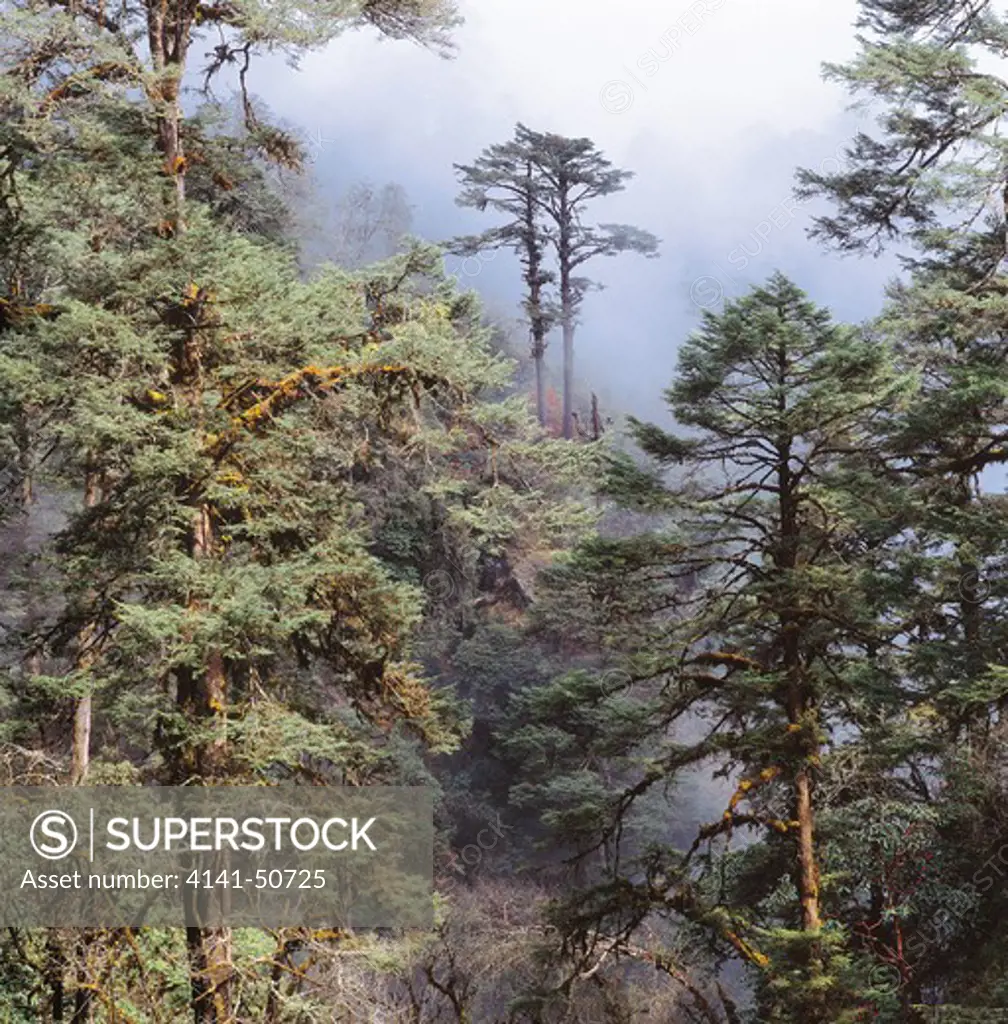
(713, 106)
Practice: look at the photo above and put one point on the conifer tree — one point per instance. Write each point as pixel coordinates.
(768, 654)
(231, 441)
(109, 46)
(932, 179)
(576, 173)
(504, 178)
(913, 184)
(545, 182)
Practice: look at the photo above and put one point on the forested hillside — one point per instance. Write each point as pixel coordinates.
(712, 709)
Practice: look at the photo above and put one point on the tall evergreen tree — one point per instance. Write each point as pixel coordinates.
(546, 182)
(932, 179)
(768, 655)
(225, 427)
(159, 67)
(913, 184)
(576, 173)
(504, 178)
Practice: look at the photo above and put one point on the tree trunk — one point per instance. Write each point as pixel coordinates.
(80, 753)
(798, 700)
(596, 419)
(210, 948)
(210, 974)
(808, 869)
(55, 966)
(534, 280)
(83, 993)
(540, 388)
(568, 371)
(212, 693)
(566, 306)
(786, 560)
(970, 597)
(168, 35)
(80, 761)
(210, 960)
(202, 696)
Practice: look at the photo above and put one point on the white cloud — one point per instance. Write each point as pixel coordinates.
(728, 70)
(713, 130)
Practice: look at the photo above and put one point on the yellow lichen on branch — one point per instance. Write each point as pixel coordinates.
(14, 313)
(747, 785)
(731, 817)
(286, 389)
(746, 949)
(721, 921)
(783, 827)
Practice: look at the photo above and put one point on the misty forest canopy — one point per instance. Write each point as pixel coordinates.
(270, 518)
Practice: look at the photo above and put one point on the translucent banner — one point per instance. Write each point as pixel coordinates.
(243, 856)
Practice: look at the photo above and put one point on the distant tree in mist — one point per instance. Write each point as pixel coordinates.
(370, 223)
(545, 182)
(504, 177)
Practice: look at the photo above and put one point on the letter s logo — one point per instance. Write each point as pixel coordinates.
(59, 828)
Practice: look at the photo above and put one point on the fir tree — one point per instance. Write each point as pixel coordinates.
(932, 178)
(545, 182)
(504, 177)
(768, 654)
(226, 427)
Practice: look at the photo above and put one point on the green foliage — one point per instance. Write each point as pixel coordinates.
(747, 641)
(300, 526)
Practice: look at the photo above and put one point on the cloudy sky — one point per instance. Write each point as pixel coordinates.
(711, 103)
